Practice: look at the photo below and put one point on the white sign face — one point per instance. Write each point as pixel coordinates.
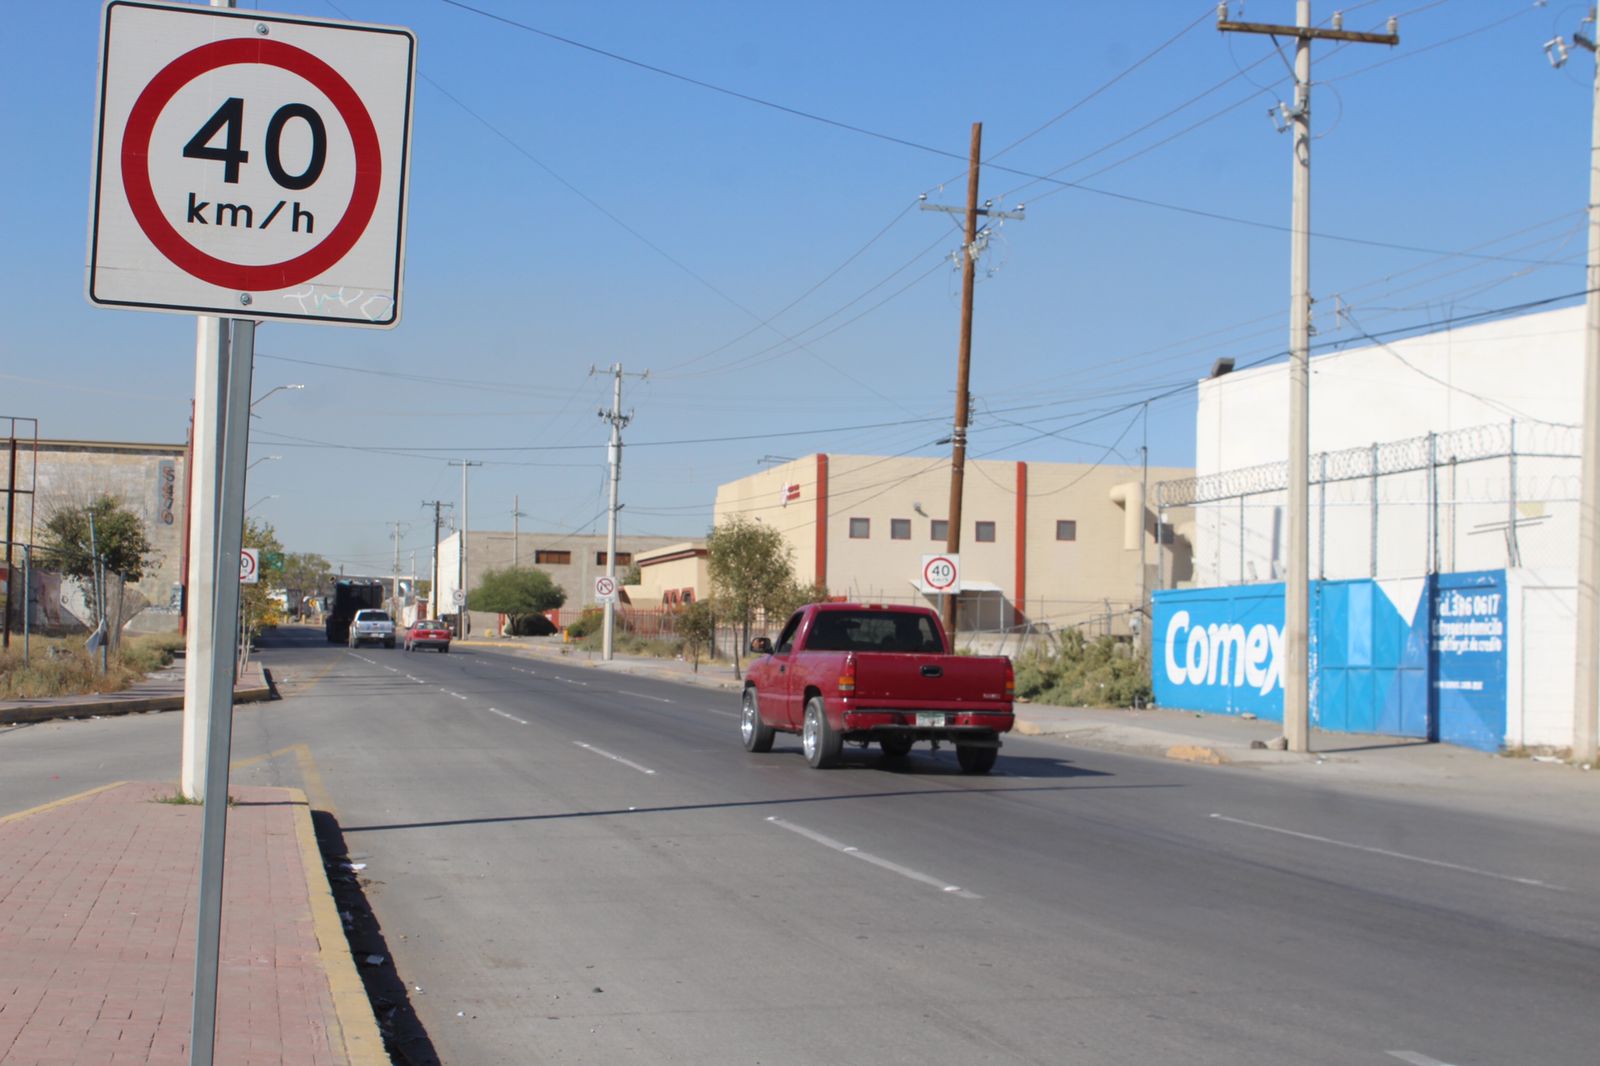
(250, 165)
(605, 589)
(458, 597)
(249, 566)
(941, 573)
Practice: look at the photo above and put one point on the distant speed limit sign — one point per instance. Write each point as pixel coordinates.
(249, 566)
(941, 573)
(250, 165)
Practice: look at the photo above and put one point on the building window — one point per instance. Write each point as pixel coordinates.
(623, 558)
(939, 530)
(899, 529)
(860, 528)
(1066, 529)
(546, 557)
(983, 532)
(1163, 532)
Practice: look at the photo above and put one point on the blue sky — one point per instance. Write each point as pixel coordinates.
(569, 210)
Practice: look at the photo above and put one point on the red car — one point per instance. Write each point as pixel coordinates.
(428, 633)
(852, 673)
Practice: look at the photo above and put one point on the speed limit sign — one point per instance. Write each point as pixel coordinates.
(941, 573)
(250, 165)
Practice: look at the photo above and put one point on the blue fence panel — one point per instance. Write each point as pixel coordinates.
(1370, 654)
(1468, 653)
(1220, 649)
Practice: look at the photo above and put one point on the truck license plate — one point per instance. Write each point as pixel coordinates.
(934, 718)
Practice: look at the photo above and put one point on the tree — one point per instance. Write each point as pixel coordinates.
(793, 596)
(119, 539)
(750, 565)
(516, 592)
(697, 625)
(631, 577)
(260, 608)
(305, 574)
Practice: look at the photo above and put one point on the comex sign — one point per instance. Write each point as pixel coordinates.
(1221, 650)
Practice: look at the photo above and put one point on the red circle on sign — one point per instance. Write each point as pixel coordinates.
(935, 561)
(142, 198)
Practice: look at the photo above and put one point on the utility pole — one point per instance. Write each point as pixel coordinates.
(1586, 698)
(462, 621)
(433, 589)
(970, 250)
(617, 420)
(1296, 595)
(517, 515)
(396, 535)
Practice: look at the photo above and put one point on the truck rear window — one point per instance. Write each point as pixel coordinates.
(873, 631)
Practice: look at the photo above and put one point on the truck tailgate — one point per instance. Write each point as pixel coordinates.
(905, 678)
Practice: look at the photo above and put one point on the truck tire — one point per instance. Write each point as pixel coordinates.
(756, 734)
(896, 747)
(821, 743)
(976, 760)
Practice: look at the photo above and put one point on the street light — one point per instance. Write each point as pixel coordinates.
(263, 459)
(263, 500)
(269, 392)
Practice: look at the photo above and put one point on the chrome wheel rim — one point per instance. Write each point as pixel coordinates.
(747, 721)
(808, 739)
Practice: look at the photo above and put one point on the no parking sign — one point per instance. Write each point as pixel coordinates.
(250, 165)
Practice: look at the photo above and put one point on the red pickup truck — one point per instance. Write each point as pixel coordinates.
(872, 674)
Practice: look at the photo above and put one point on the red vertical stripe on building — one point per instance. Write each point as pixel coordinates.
(1019, 598)
(822, 519)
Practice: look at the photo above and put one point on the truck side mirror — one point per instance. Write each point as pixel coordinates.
(761, 645)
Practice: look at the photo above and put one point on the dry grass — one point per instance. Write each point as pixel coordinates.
(59, 666)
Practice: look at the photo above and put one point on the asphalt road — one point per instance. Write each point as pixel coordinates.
(578, 866)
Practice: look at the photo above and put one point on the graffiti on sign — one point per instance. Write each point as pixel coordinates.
(166, 491)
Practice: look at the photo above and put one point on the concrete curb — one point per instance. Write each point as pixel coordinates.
(137, 705)
(358, 1025)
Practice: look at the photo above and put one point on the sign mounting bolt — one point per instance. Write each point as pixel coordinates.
(244, 298)
(261, 28)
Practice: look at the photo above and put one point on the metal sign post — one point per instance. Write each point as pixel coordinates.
(256, 164)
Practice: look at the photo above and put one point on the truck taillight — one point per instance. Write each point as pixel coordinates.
(1011, 681)
(847, 676)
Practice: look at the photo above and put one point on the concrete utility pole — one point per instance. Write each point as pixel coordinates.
(517, 515)
(617, 420)
(1297, 587)
(463, 626)
(396, 535)
(970, 250)
(1586, 697)
(433, 589)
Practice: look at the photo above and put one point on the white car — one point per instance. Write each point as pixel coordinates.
(370, 627)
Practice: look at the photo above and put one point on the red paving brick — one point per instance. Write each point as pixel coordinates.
(97, 913)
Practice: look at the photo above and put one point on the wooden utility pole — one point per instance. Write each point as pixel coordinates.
(1297, 590)
(970, 250)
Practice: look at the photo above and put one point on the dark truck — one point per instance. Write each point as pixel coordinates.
(348, 598)
(847, 672)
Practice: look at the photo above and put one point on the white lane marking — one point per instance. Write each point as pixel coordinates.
(503, 714)
(867, 856)
(458, 695)
(418, 680)
(614, 758)
(1391, 854)
(1415, 1058)
(642, 696)
(569, 681)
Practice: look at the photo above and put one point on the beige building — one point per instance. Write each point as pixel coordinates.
(149, 479)
(671, 576)
(1056, 545)
(572, 560)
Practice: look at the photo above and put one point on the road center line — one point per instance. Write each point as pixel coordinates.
(867, 856)
(1415, 1058)
(458, 695)
(1393, 855)
(614, 758)
(569, 681)
(503, 714)
(642, 696)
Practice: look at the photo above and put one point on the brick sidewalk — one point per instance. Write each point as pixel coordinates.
(97, 931)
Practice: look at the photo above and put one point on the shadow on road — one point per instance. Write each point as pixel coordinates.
(404, 1037)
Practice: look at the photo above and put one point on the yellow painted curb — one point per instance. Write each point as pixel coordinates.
(358, 1027)
(60, 802)
(1195, 753)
